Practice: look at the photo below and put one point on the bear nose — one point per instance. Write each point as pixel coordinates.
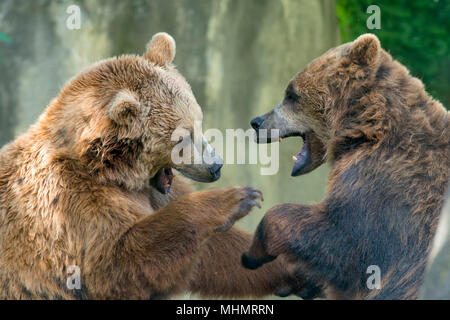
(257, 122)
(215, 169)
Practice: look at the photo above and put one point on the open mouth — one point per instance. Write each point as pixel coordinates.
(162, 181)
(302, 161)
(306, 160)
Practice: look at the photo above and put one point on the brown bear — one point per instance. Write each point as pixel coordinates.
(89, 192)
(388, 144)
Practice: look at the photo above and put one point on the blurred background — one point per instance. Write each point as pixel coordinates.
(238, 56)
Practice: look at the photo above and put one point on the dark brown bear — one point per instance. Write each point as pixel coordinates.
(388, 143)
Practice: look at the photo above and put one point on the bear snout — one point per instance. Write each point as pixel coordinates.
(215, 170)
(257, 122)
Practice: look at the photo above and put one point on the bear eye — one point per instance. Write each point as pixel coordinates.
(291, 96)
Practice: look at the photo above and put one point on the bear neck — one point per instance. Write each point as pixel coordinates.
(388, 107)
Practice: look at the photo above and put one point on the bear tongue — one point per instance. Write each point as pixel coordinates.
(163, 180)
(303, 158)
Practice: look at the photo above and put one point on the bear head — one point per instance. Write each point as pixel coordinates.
(318, 104)
(120, 120)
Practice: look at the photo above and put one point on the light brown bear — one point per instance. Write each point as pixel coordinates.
(388, 144)
(90, 185)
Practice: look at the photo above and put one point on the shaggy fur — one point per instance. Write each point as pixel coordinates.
(388, 144)
(74, 190)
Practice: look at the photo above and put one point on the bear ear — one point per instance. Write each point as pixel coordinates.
(124, 108)
(161, 49)
(365, 49)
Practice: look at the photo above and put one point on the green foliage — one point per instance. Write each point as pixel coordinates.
(417, 33)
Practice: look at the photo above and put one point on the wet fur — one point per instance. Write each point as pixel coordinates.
(388, 144)
(74, 190)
